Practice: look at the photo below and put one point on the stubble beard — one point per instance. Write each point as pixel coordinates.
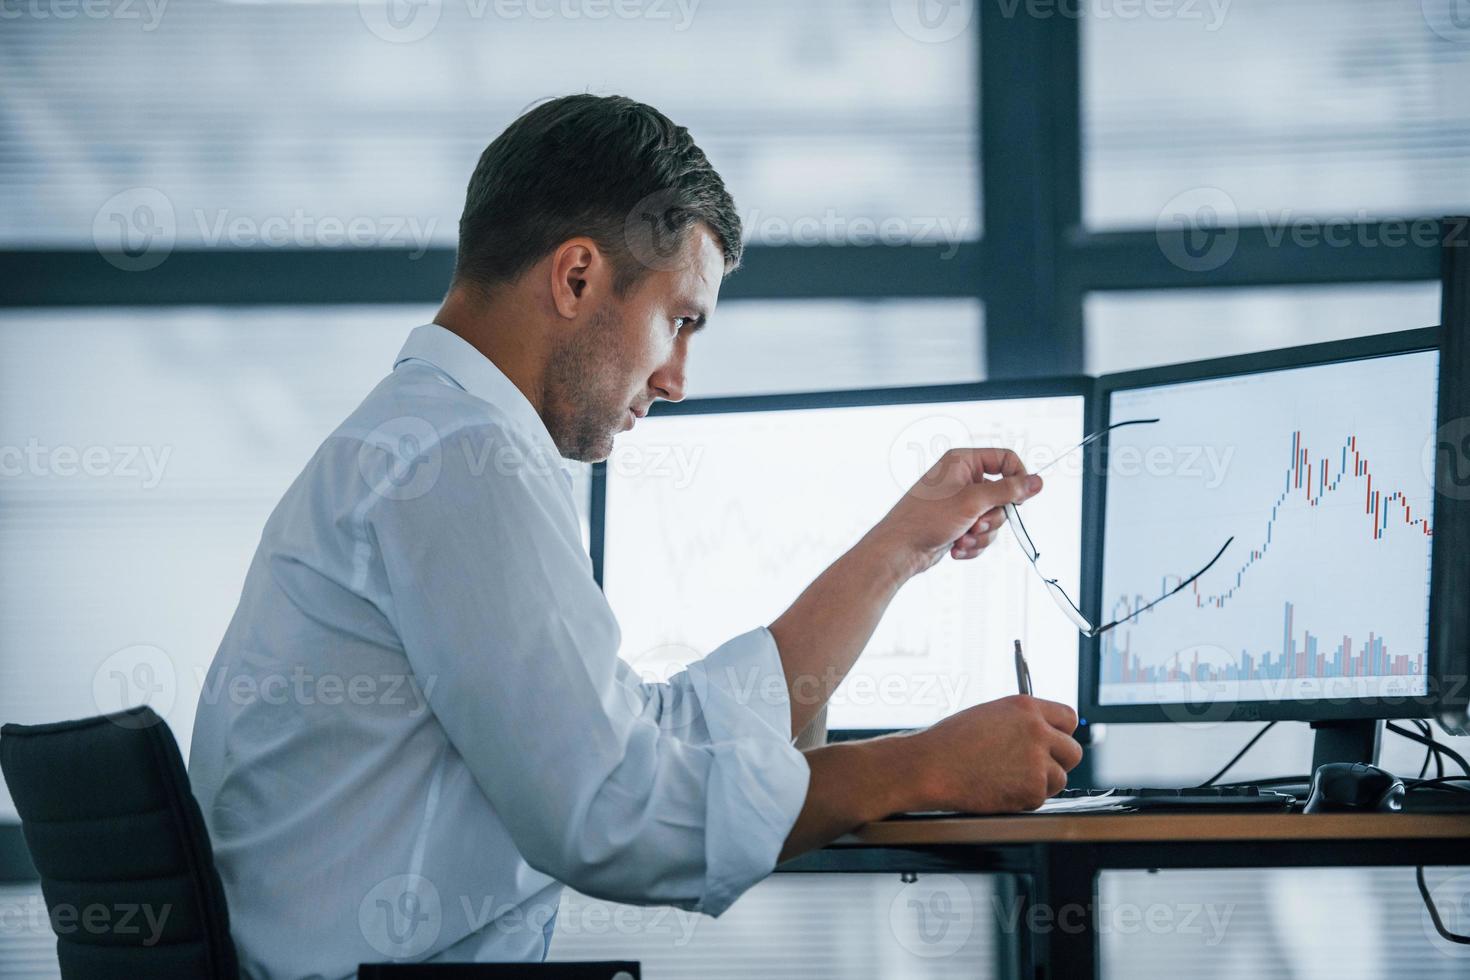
(583, 395)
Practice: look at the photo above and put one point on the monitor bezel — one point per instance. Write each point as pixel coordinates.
(1449, 604)
(1094, 504)
(1075, 386)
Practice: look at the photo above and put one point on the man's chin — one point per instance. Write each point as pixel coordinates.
(592, 451)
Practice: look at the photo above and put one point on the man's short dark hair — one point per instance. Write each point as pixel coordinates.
(610, 168)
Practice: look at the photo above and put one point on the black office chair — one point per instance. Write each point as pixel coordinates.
(112, 826)
(114, 829)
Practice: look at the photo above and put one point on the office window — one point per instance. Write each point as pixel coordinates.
(27, 944)
(1290, 108)
(797, 925)
(1280, 924)
(1127, 330)
(836, 122)
(849, 926)
(144, 449)
(760, 347)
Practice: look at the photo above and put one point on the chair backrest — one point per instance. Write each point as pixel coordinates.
(121, 848)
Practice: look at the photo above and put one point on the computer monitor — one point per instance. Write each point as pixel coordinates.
(712, 515)
(1319, 463)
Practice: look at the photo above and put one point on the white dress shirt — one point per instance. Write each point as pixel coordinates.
(417, 726)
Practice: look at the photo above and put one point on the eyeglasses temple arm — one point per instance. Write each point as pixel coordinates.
(1142, 609)
(1093, 438)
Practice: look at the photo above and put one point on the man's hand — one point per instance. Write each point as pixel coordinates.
(1000, 757)
(997, 757)
(954, 508)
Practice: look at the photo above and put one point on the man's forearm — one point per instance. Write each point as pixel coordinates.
(852, 783)
(826, 628)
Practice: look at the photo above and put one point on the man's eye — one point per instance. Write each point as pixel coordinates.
(681, 321)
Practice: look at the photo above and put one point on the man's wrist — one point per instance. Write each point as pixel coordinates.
(893, 561)
(898, 786)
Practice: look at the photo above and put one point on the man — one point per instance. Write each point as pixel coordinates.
(417, 727)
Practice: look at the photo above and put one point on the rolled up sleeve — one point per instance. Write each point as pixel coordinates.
(742, 689)
(720, 696)
(682, 796)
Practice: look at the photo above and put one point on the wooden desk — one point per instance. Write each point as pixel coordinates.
(1055, 860)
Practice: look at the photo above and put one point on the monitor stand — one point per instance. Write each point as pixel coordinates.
(1346, 741)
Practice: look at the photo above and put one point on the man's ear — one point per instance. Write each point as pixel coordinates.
(580, 274)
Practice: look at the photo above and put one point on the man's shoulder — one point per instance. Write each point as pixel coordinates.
(414, 408)
(414, 423)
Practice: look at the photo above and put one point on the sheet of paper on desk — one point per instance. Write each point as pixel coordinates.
(1087, 804)
(1106, 803)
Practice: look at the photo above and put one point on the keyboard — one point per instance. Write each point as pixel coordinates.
(1145, 799)
(1186, 798)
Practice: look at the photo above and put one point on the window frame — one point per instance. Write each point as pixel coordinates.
(1031, 269)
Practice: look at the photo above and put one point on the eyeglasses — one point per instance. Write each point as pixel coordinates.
(1058, 594)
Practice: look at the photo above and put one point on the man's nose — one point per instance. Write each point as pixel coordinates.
(668, 382)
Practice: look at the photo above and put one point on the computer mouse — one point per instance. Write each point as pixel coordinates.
(1340, 787)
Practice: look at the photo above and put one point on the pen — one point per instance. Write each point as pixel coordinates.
(1023, 673)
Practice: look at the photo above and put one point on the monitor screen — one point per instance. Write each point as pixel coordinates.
(1322, 474)
(716, 520)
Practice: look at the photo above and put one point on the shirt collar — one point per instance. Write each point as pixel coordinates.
(458, 360)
